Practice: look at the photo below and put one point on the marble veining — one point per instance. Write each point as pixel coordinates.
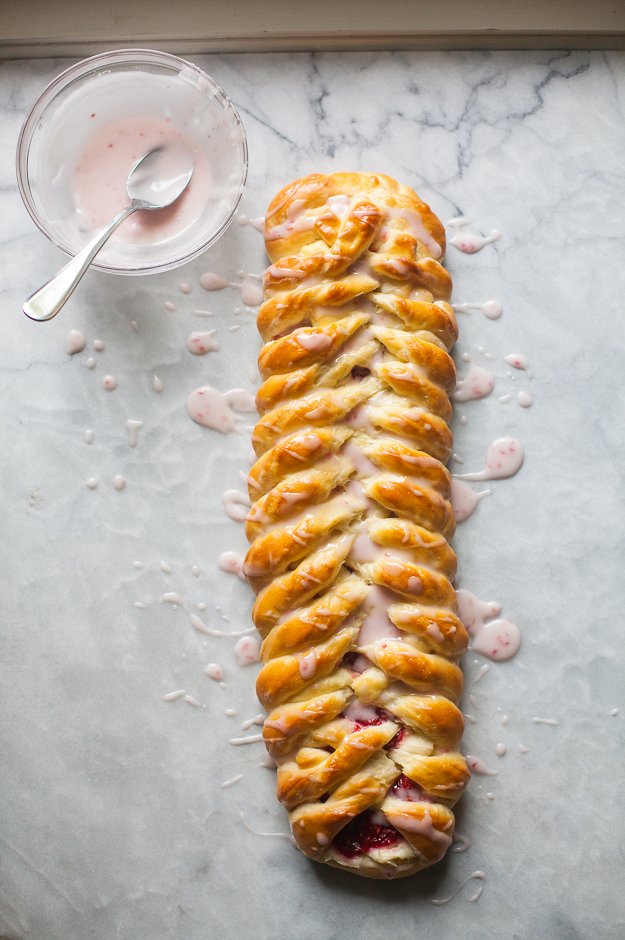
(114, 821)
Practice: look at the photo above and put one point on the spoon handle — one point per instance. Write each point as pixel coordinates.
(48, 300)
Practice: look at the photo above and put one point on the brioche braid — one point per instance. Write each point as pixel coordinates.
(351, 521)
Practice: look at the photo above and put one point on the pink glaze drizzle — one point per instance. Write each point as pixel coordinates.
(519, 361)
(477, 383)
(464, 500)
(212, 409)
(503, 459)
(199, 344)
(468, 242)
(236, 504)
(231, 562)
(491, 309)
(478, 875)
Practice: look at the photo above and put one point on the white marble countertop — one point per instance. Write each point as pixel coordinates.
(113, 821)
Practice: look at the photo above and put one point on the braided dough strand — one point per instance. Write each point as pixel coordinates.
(350, 525)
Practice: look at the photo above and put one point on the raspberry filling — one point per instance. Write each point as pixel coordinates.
(397, 739)
(365, 715)
(363, 833)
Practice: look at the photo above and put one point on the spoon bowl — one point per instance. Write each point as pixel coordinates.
(161, 176)
(154, 182)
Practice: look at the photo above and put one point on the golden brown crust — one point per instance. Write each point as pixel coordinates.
(350, 524)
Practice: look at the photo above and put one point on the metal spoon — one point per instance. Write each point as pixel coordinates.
(155, 181)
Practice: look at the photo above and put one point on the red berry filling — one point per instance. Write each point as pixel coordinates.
(363, 833)
(397, 739)
(406, 789)
(364, 722)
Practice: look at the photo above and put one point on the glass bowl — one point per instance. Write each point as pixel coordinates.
(132, 85)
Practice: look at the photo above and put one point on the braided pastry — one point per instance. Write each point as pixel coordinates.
(350, 525)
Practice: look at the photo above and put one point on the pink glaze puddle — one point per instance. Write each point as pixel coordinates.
(103, 167)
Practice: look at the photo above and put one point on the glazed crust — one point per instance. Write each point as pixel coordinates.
(350, 522)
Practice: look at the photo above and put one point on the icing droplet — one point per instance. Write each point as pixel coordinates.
(75, 342)
(138, 564)
(308, 665)
(134, 325)
(545, 721)
(199, 344)
(90, 363)
(236, 504)
(133, 429)
(109, 382)
(213, 671)
(477, 383)
(499, 640)
(231, 562)
(525, 400)
(461, 843)
(247, 650)
(477, 766)
(169, 306)
(276, 835)
(195, 571)
(119, 482)
(172, 696)
(92, 483)
(479, 875)
(503, 459)
(212, 409)
(464, 500)
(468, 242)
(89, 437)
(184, 288)
(98, 345)
(251, 739)
(229, 783)
(157, 384)
(251, 292)
(481, 673)
(211, 281)
(492, 309)
(165, 567)
(500, 750)
(519, 361)
(473, 612)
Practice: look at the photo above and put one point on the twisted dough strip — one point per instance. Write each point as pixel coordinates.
(350, 524)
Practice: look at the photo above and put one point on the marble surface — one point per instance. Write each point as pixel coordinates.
(113, 821)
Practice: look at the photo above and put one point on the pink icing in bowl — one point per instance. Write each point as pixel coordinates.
(86, 131)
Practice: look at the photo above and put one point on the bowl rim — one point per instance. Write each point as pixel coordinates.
(80, 70)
